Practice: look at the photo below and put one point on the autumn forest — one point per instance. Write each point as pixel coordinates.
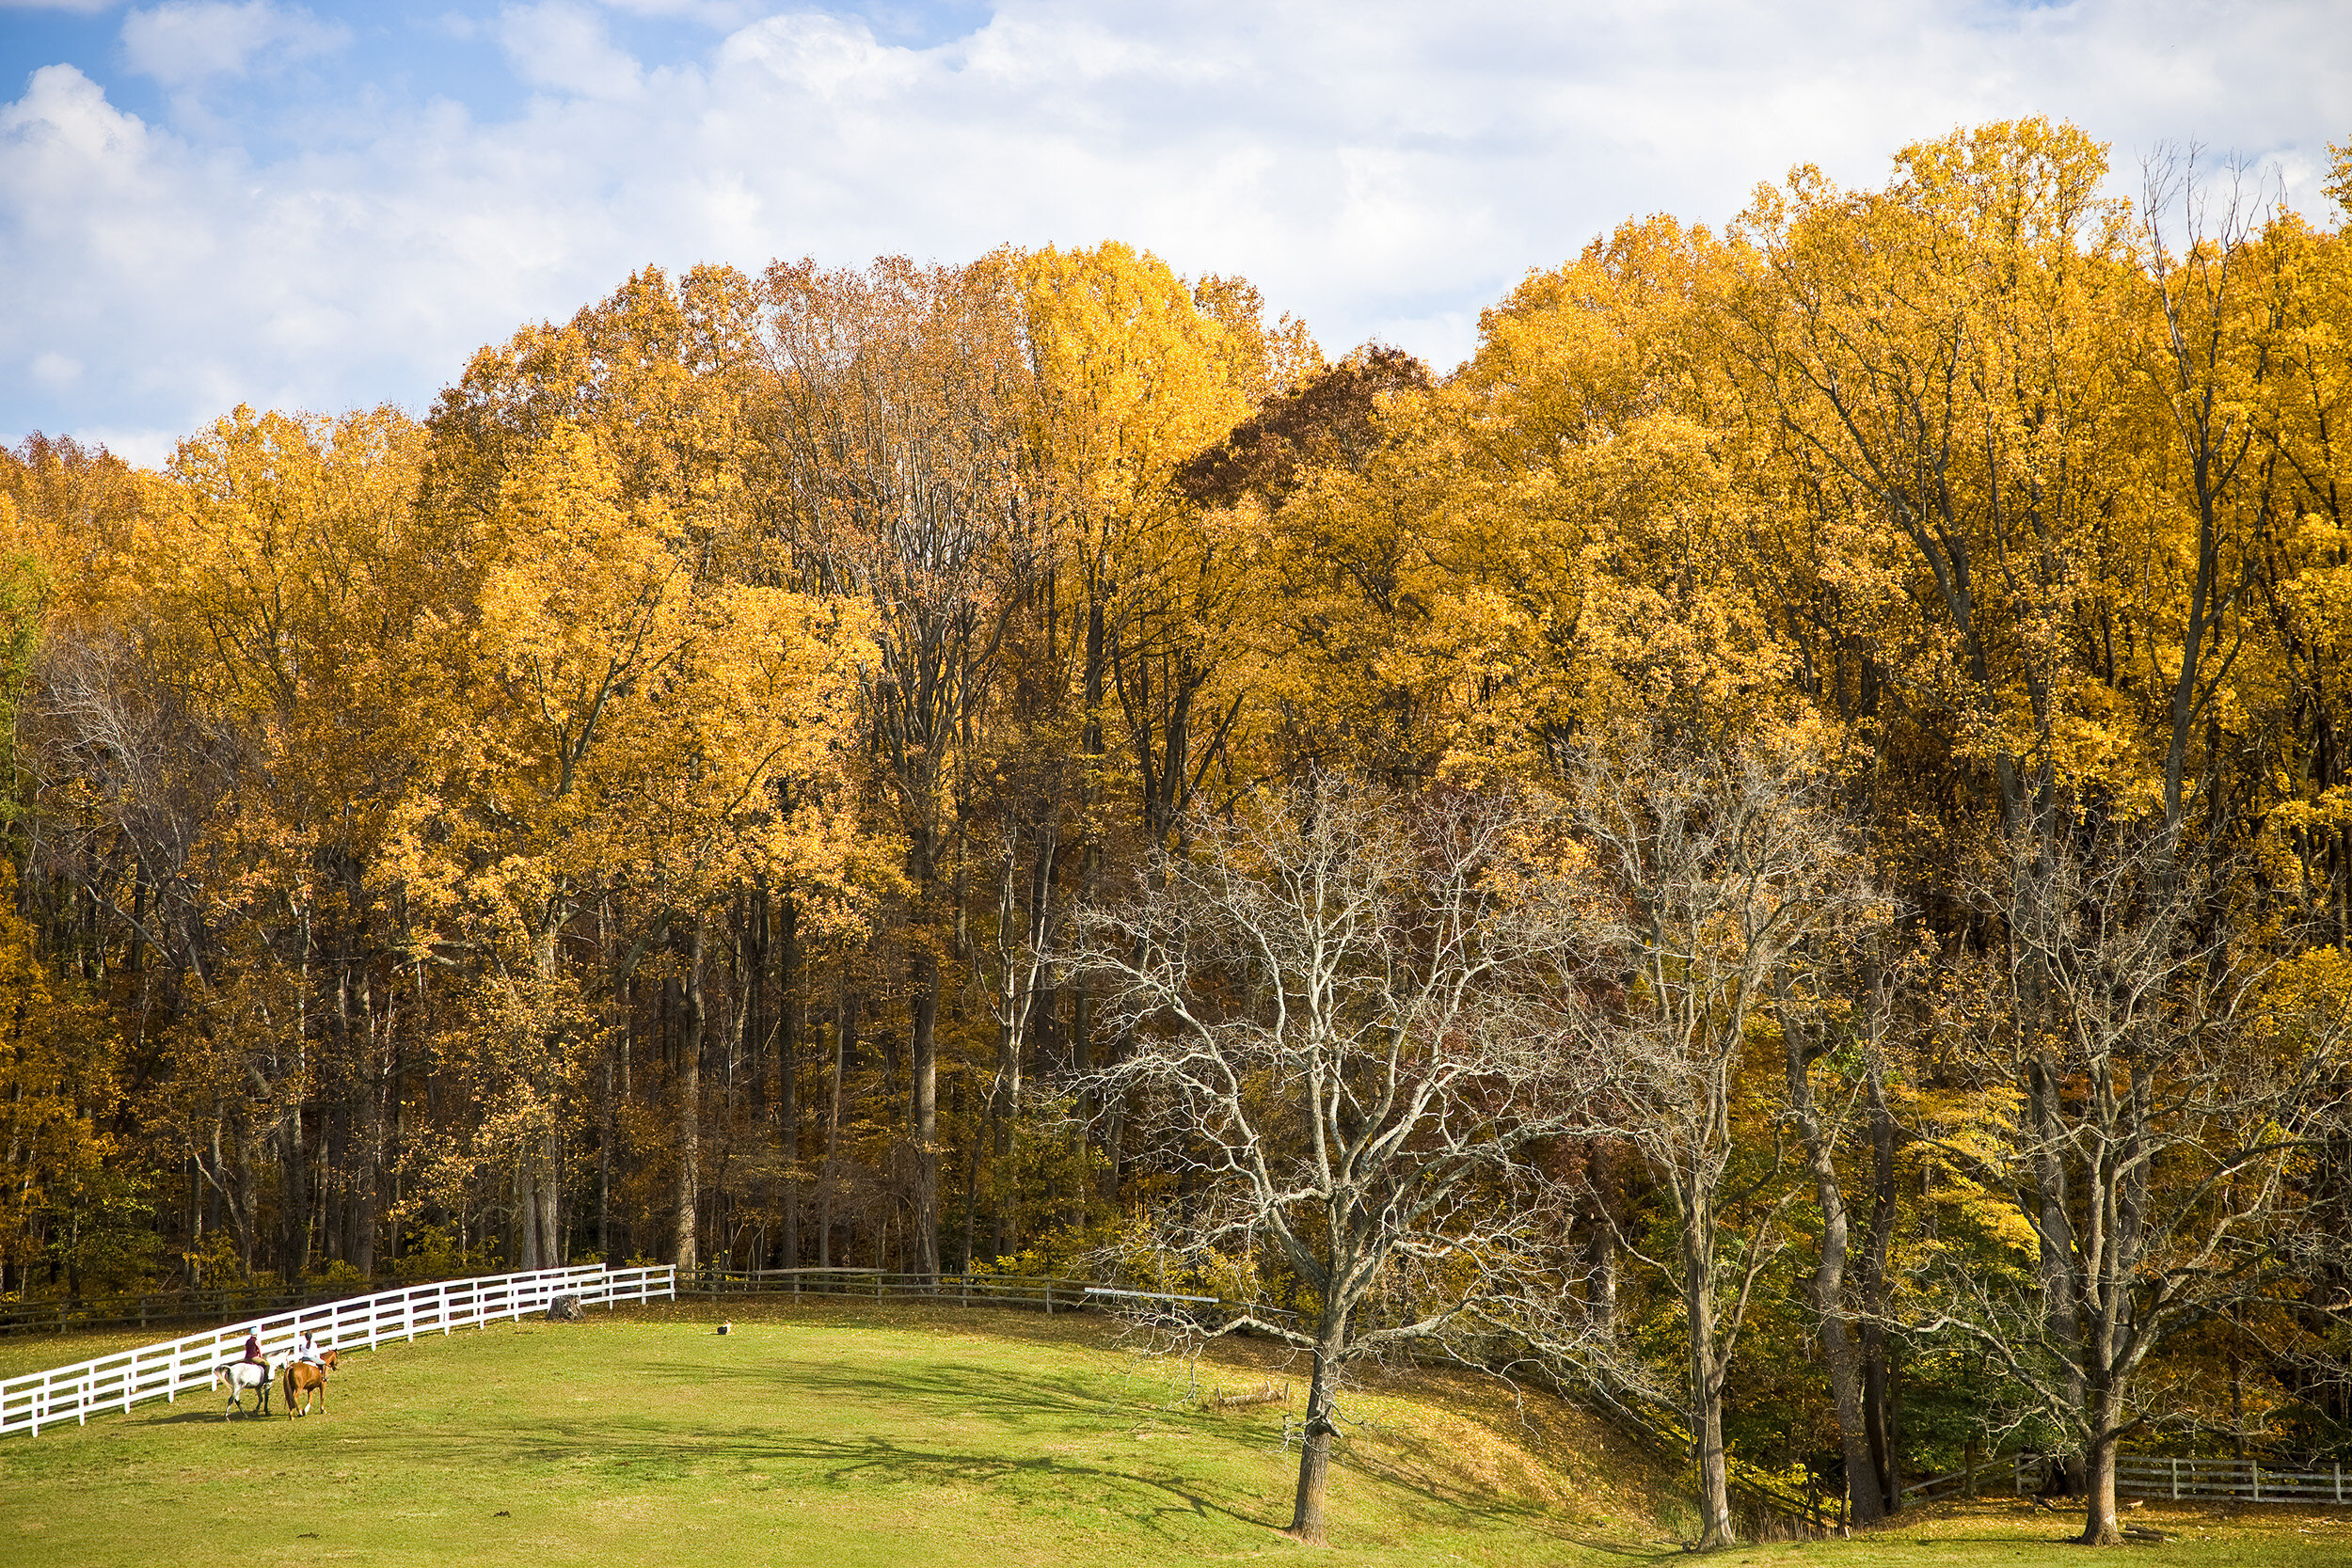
(1778, 843)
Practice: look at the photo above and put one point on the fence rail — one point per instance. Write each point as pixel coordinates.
(2002, 1471)
(2245, 1480)
(165, 1370)
(2152, 1475)
(76, 1314)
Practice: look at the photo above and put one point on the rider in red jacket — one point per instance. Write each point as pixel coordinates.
(253, 1346)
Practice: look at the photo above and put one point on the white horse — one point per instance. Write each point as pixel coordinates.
(237, 1376)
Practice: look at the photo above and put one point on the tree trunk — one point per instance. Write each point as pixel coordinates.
(2099, 1527)
(1843, 1365)
(1314, 1448)
(971, 1179)
(550, 1195)
(524, 1231)
(1081, 1063)
(788, 1074)
(1706, 1390)
(844, 1034)
(375, 1024)
(1016, 997)
(1878, 1381)
(246, 1202)
(604, 1158)
(2061, 1283)
(925, 1099)
(295, 1222)
(689, 1089)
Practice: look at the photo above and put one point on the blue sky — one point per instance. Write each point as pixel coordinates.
(323, 205)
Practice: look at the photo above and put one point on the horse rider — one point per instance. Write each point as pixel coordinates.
(308, 1352)
(253, 1346)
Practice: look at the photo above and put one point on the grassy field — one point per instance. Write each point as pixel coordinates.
(841, 1437)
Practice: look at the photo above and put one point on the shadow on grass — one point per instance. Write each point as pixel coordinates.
(1154, 1501)
(954, 1385)
(1445, 1495)
(960, 1388)
(182, 1416)
(1618, 1548)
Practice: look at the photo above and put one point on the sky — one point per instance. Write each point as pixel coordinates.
(331, 205)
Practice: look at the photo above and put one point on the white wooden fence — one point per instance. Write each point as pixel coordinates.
(2171, 1480)
(121, 1380)
(2245, 1480)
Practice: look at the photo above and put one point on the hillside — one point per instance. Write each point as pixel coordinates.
(838, 1436)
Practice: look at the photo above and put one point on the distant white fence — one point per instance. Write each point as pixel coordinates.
(2244, 1479)
(2171, 1480)
(123, 1379)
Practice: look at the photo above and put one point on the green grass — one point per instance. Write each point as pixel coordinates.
(840, 1436)
(38, 1353)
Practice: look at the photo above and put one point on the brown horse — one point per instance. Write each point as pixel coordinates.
(309, 1382)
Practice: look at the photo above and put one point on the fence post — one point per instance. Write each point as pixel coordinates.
(2255, 1467)
(2176, 1481)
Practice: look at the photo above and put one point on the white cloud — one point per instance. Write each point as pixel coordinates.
(188, 40)
(563, 47)
(64, 117)
(1381, 167)
(707, 13)
(825, 55)
(55, 370)
(148, 446)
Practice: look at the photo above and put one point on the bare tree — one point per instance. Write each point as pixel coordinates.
(1713, 882)
(1836, 1057)
(2168, 1084)
(1340, 1007)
